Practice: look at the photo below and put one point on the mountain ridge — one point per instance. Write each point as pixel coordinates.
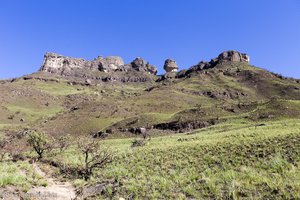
(63, 65)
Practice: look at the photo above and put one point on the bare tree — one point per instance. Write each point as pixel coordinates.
(95, 156)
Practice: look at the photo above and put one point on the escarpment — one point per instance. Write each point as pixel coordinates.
(113, 68)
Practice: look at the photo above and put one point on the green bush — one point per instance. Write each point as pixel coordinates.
(39, 142)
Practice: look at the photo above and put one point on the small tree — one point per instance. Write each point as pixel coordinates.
(63, 142)
(95, 156)
(39, 142)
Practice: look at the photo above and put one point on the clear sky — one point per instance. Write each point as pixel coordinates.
(186, 30)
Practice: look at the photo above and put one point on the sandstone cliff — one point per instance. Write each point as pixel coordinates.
(113, 68)
(55, 63)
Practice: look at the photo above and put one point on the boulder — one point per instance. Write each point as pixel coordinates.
(170, 66)
(141, 130)
(139, 64)
(88, 82)
(110, 63)
(95, 190)
(233, 56)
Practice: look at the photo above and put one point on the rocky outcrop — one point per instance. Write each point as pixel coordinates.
(56, 63)
(136, 71)
(233, 56)
(185, 125)
(139, 64)
(170, 66)
(224, 57)
(108, 64)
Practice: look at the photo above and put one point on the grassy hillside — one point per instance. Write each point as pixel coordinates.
(237, 133)
(234, 160)
(55, 105)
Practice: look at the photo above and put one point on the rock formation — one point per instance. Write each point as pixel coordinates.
(226, 56)
(139, 70)
(55, 63)
(170, 66)
(233, 56)
(139, 64)
(108, 64)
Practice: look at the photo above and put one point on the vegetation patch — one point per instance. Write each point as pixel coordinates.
(19, 174)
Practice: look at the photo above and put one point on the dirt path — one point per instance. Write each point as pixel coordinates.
(55, 190)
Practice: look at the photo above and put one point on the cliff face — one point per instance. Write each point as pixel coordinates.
(139, 70)
(55, 63)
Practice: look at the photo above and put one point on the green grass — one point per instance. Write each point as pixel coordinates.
(3, 126)
(34, 113)
(277, 108)
(233, 160)
(144, 120)
(55, 89)
(256, 163)
(20, 174)
(93, 125)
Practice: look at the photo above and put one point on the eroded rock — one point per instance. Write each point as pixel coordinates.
(226, 56)
(110, 63)
(56, 63)
(113, 67)
(233, 56)
(139, 64)
(170, 66)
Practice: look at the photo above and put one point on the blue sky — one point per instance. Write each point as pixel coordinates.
(186, 30)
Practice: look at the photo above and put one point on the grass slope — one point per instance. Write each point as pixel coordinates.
(234, 160)
(45, 101)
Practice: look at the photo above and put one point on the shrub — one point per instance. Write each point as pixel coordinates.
(95, 156)
(138, 143)
(39, 142)
(63, 142)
